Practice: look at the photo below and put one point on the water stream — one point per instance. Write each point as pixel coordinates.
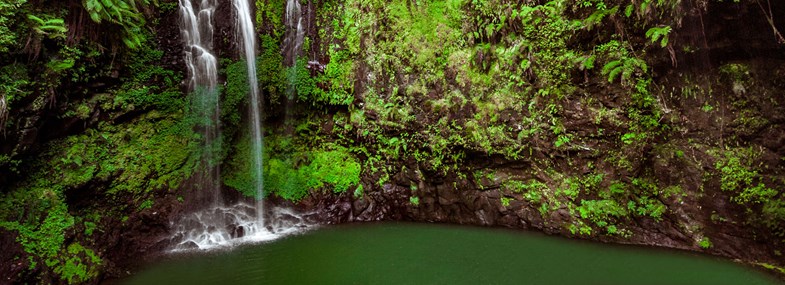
(196, 23)
(197, 30)
(292, 44)
(295, 33)
(245, 30)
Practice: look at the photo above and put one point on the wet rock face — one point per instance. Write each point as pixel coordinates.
(10, 251)
(481, 204)
(144, 236)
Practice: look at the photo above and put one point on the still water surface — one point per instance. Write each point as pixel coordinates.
(402, 253)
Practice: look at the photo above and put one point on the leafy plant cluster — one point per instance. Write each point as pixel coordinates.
(463, 51)
(111, 161)
(56, 58)
(149, 86)
(740, 175)
(8, 12)
(124, 13)
(291, 170)
(44, 242)
(595, 201)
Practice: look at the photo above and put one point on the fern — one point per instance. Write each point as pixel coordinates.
(584, 62)
(644, 7)
(124, 13)
(612, 69)
(53, 28)
(624, 68)
(659, 33)
(628, 10)
(597, 17)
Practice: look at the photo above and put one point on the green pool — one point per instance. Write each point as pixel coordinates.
(403, 253)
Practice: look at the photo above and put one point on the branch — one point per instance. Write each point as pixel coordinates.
(770, 19)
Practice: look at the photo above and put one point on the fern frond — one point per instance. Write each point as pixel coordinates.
(628, 10)
(659, 33)
(56, 21)
(614, 73)
(35, 19)
(610, 66)
(57, 29)
(124, 13)
(597, 17)
(53, 28)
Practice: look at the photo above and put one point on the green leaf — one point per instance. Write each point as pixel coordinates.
(38, 21)
(628, 10)
(659, 33)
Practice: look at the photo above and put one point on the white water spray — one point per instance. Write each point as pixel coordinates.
(198, 231)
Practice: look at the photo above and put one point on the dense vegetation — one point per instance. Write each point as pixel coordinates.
(520, 83)
(123, 138)
(591, 97)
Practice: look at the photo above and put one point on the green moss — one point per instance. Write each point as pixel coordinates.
(532, 191)
(43, 240)
(292, 174)
(44, 243)
(735, 72)
(128, 160)
(149, 86)
(741, 176)
(89, 228)
(570, 188)
(333, 87)
(152, 153)
(705, 243)
(414, 200)
(147, 204)
(79, 265)
(269, 15)
(772, 267)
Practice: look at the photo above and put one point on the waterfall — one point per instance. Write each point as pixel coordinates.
(212, 224)
(245, 30)
(202, 224)
(197, 30)
(292, 44)
(294, 32)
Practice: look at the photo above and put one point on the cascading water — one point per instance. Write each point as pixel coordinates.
(241, 226)
(293, 42)
(197, 30)
(212, 223)
(245, 31)
(196, 24)
(294, 32)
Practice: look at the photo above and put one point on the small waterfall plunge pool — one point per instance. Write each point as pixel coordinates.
(407, 253)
